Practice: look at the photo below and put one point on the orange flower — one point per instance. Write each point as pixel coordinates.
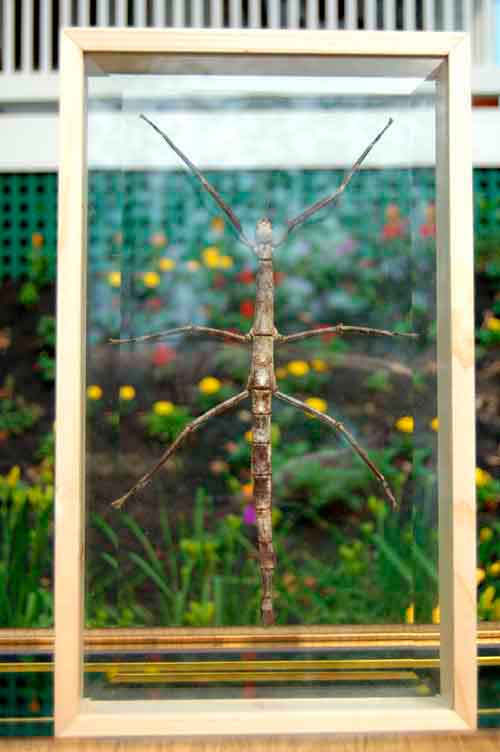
(217, 225)
(392, 213)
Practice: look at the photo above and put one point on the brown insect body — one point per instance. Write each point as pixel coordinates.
(261, 386)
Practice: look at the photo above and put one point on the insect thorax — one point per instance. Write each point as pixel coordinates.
(264, 239)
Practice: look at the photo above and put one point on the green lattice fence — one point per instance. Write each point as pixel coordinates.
(26, 703)
(138, 204)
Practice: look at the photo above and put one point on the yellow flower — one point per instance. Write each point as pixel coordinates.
(225, 262)
(434, 424)
(485, 534)
(151, 279)
(486, 599)
(163, 407)
(480, 575)
(249, 436)
(496, 610)
(13, 476)
(482, 477)
(209, 385)
(94, 392)
(127, 392)
(493, 324)
(114, 279)
(423, 690)
(217, 225)
(410, 614)
(494, 569)
(211, 257)
(166, 264)
(298, 367)
(317, 404)
(436, 615)
(406, 424)
(193, 265)
(247, 489)
(319, 365)
(281, 373)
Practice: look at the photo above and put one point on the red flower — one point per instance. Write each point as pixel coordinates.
(154, 304)
(247, 308)
(393, 230)
(218, 282)
(246, 277)
(278, 278)
(163, 354)
(326, 337)
(428, 230)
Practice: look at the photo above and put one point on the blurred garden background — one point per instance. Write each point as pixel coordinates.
(189, 567)
(343, 555)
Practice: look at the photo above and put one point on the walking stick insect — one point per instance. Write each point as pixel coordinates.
(262, 386)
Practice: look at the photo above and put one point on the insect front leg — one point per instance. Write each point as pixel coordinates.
(188, 329)
(341, 329)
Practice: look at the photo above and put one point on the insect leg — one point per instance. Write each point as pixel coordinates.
(204, 182)
(188, 329)
(307, 213)
(341, 329)
(222, 407)
(350, 438)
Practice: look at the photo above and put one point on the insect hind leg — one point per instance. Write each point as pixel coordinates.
(195, 424)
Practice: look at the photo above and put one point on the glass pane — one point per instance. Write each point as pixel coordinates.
(273, 137)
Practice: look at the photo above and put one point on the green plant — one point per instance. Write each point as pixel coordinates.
(25, 552)
(46, 329)
(39, 274)
(46, 366)
(16, 415)
(46, 448)
(379, 381)
(165, 421)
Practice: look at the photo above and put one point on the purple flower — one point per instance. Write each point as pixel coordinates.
(249, 516)
(347, 246)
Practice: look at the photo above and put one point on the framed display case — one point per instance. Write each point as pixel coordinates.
(191, 162)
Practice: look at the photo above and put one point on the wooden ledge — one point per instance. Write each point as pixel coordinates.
(398, 635)
(481, 741)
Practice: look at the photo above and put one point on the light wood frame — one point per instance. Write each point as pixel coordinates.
(456, 707)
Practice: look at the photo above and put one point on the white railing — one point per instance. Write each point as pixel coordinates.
(29, 78)
(30, 28)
